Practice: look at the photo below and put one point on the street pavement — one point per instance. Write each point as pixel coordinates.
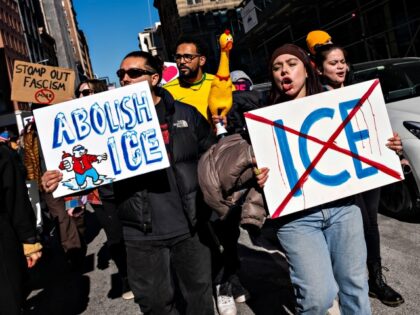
(263, 273)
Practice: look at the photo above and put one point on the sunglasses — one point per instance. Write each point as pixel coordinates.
(187, 57)
(133, 73)
(86, 92)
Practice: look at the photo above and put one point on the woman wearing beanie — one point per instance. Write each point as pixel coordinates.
(324, 245)
(331, 63)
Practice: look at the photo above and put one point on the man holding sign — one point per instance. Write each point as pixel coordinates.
(159, 210)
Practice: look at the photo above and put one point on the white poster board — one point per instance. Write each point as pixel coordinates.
(102, 138)
(323, 147)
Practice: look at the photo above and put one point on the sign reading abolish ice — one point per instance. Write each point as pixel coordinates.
(323, 147)
(102, 138)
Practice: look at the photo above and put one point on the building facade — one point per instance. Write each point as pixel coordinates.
(78, 42)
(368, 30)
(204, 20)
(33, 31)
(13, 46)
(150, 40)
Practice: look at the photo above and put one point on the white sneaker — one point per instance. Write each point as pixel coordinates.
(128, 295)
(225, 302)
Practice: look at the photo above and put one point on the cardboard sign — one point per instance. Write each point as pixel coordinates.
(323, 147)
(102, 138)
(41, 84)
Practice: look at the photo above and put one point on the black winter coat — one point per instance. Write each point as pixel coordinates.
(17, 226)
(190, 136)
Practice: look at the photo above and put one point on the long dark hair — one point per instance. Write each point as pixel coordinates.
(321, 55)
(313, 86)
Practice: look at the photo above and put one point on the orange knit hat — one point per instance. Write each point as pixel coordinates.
(317, 38)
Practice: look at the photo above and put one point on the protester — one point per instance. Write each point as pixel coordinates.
(244, 100)
(102, 201)
(324, 245)
(317, 38)
(17, 233)
(70, 228)
(227, 182)
(331, 61)
(193, 84)
(161, 210)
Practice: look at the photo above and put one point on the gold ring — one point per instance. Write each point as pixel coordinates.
(257, 171)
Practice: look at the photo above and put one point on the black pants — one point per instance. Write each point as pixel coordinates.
(368, 203)
(226, 264)
(108, 219)
(152, 266)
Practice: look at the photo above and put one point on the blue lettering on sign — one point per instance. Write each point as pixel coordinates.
(131, 150)
(129, 113)
(123, 115)
(150, 146)
(113, 125)
(98, 120)
(115, 159)
(142, 106)
(353, 137)
(326, 179)
(329, 180)
(291, 172)
(82, 127)
(62, 131)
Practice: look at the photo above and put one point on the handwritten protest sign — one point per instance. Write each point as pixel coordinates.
(102, 138)
(323, 147)
(41, 84)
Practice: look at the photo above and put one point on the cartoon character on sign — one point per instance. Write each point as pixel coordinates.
(81, 163)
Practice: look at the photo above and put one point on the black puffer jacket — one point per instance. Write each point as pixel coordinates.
(190, 136)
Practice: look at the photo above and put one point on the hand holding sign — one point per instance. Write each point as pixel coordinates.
(334, 146)
(121, 124)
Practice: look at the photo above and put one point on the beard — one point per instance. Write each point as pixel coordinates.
(189, 74)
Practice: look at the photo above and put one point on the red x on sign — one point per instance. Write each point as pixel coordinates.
(326, 145)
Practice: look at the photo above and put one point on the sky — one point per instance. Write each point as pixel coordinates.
(111, 28)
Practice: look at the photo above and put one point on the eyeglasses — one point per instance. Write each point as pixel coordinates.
(86, 92)
(187, 57)
(133, 73)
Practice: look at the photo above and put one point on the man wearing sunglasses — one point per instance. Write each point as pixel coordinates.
(193, 84)
(159, 210)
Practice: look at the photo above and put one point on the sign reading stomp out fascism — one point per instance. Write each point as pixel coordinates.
(41, 84)
(323, 147)
(102, 138)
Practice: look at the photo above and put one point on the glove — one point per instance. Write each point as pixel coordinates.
(29, 249)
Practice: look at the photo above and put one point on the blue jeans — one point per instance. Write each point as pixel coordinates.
(326, 252)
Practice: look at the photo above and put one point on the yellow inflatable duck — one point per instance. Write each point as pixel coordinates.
(220, 97)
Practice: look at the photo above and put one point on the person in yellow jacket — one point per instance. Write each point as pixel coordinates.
(193, 84)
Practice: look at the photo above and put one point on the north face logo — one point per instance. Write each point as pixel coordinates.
(181, 124)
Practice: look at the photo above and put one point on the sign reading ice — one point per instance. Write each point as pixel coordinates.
(323, 147)
(102, 138)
